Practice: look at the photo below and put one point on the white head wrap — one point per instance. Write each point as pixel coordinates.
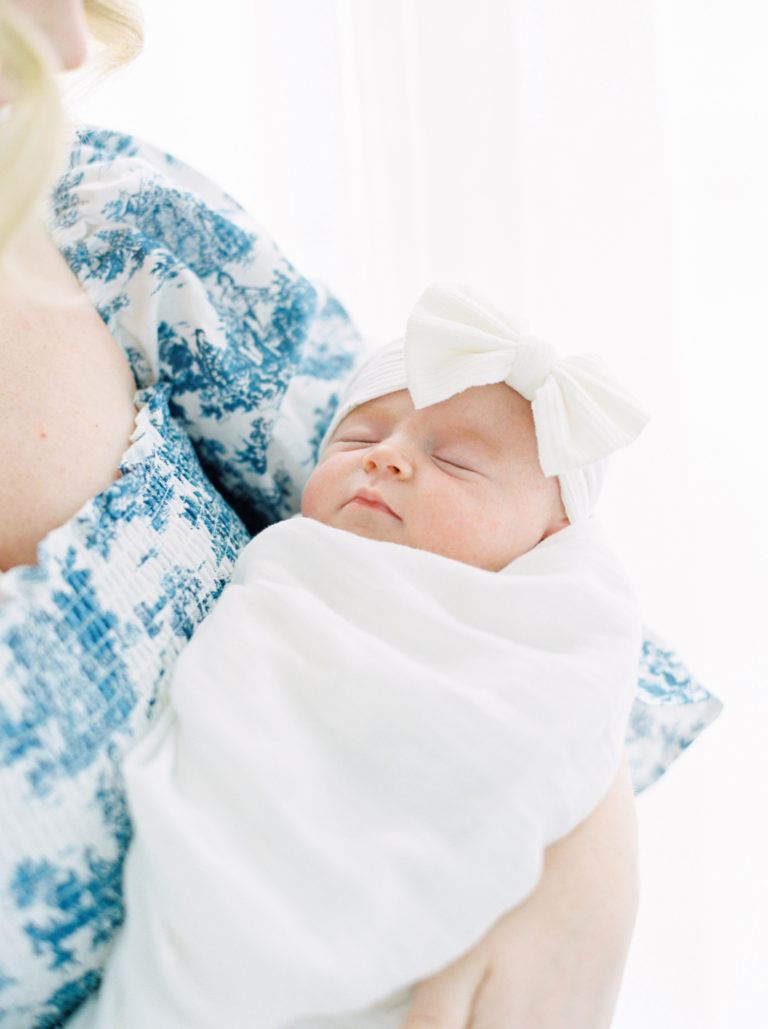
(455, 340)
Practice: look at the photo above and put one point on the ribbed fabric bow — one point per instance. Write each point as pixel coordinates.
(455, 340)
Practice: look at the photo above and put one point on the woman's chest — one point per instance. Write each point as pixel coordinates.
(66, 412)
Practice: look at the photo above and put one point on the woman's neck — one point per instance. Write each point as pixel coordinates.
(34, 272)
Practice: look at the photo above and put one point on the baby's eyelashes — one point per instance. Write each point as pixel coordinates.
(456, 463)
(350, 442)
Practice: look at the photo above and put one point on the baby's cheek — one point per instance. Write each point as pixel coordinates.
(310, 498)
(327, 488)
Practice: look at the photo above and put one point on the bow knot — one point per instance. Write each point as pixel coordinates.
(530, 363)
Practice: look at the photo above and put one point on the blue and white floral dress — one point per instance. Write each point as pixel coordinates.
(237, 360)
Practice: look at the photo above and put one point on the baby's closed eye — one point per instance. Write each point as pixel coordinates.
(355, 440)
(458, 463)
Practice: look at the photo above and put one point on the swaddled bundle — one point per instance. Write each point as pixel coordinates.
(368, 748)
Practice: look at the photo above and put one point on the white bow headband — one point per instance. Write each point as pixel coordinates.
(455, 340)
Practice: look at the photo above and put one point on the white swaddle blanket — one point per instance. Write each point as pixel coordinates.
(368, 749)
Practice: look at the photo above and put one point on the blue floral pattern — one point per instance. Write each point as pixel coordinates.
(238, 360)
(670, 710)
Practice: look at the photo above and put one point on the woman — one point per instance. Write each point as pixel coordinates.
(165, 376)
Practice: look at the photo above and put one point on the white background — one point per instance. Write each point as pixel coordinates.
(599, 169)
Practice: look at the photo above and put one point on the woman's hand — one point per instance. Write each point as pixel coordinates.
(555, 961)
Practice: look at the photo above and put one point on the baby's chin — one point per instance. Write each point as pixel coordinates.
(369, 525)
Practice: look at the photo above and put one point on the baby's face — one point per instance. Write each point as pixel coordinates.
(460, 478)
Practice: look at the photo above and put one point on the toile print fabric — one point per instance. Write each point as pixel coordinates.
(237, 358)
(671, 709)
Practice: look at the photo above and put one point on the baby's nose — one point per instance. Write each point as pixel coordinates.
(387, 458)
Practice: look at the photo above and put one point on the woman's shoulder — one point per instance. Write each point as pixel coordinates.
(102, 154)
(198, 295)
(114, 182)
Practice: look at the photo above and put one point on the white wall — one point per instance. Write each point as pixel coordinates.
(599, 168)
(701, 948)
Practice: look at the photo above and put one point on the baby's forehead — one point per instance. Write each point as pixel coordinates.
(483, 412)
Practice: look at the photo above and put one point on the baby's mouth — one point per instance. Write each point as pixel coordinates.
(371, 500)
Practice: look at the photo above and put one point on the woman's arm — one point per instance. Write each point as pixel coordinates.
(555, 961)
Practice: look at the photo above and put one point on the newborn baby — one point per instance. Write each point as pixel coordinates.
(400, 701)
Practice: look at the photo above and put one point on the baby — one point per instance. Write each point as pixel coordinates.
(378, 731)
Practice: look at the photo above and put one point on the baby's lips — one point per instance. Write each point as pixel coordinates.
(371, 499)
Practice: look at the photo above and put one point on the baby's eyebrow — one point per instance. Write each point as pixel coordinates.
(351, 422)
(468, 435)
(356, 427)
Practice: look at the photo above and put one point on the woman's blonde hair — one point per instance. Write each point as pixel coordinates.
(116, 24)
(31, 126)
